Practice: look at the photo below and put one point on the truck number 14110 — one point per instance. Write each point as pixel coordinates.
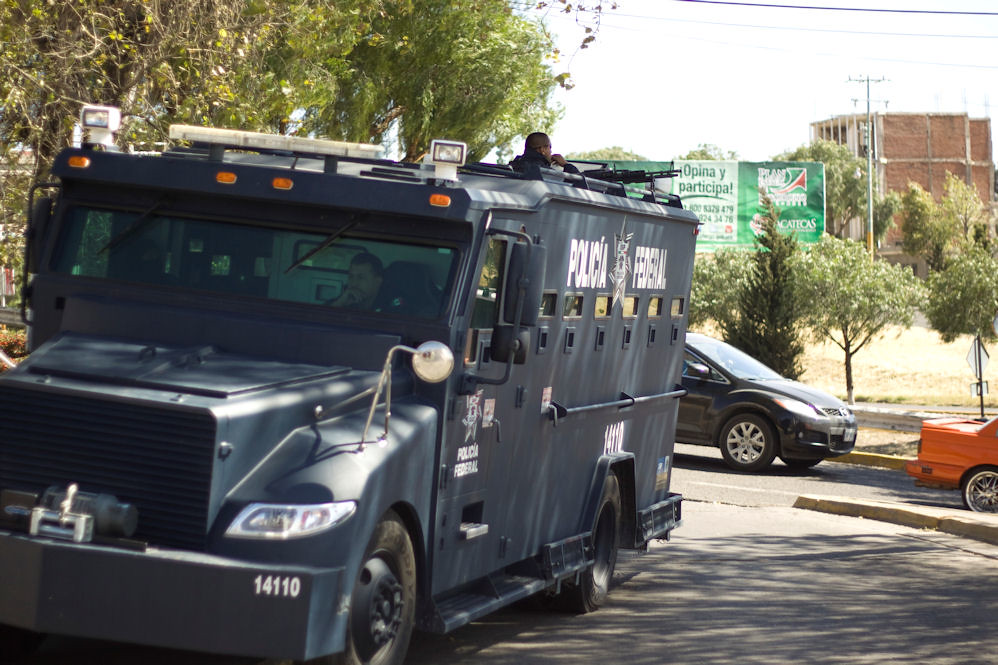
(277, 585)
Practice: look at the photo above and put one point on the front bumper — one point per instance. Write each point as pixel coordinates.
(168, 598)
(819, 439)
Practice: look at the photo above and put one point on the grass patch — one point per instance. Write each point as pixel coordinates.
(904, 366)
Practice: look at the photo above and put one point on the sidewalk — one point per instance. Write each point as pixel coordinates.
(965, 523)
(906, 420)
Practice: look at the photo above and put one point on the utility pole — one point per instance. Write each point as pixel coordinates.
(869, 163)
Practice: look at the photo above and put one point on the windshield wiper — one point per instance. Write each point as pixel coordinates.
(132, 228)
(330, 239)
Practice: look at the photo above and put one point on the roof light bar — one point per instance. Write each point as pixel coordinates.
(260, 141)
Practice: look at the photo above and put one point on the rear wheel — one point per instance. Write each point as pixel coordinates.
(747, 443)
(591, 590)
(980, 490)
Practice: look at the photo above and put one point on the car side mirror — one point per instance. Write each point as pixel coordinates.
(697, 371)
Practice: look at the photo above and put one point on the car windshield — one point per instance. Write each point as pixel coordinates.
(408, 278)
(732, 360)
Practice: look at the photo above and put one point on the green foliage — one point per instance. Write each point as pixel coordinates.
(614, 153)
(709, 151)
(470, 70)
(719, 280)
(14, 343)
(771, 307)
(845, 181)
(884, 209)
(961, 207)
(963, 298)
(855, 299)
(927, 232)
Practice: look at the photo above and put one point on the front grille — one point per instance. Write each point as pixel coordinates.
(156, 457)
(835, 411)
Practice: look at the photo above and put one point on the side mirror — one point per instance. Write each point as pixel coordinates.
(532, 274)
(38, 222)
(697, 371)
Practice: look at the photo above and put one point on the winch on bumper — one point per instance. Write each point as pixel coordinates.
(169, 598)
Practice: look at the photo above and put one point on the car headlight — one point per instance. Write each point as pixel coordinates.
(798, 407)
(284, 521)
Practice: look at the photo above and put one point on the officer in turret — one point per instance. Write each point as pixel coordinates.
(537, 150)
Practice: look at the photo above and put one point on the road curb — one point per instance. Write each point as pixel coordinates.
(892, 462)
(977, 526)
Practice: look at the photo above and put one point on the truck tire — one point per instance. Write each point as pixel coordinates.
(383, 602)
(590, 591)
(747, 443)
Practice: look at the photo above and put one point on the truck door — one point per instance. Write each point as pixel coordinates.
(467, 547)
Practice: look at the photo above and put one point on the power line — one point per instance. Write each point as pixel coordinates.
(796, 28)
(842, 9)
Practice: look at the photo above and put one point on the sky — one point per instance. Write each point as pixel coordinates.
(664, 76)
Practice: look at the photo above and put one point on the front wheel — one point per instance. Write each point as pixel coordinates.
(383, 602)
(980, 491)
(747, 443)
(590, 591)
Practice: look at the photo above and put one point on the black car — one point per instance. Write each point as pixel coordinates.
(753, 414)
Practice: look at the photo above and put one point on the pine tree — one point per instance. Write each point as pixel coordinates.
(767, 327)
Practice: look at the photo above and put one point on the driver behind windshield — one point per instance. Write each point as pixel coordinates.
(363, 282)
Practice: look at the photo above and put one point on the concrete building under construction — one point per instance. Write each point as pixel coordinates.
(920, 148)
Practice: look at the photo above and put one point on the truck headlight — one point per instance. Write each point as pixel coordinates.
(284, 521)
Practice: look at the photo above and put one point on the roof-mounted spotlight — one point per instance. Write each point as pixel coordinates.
(446, 156)
(101, 122)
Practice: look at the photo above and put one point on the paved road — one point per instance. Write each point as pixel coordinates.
(763, 586)
(700, 474)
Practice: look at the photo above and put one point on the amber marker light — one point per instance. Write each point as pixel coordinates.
(439, 200)
(79, 161)
(282, 183)
(225, 177)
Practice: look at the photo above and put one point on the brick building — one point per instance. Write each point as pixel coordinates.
(916, 147)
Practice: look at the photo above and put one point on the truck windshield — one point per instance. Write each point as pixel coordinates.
(390, 276)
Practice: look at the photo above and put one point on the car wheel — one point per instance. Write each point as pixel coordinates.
(591, 590)
(800, 463)
(980, 491)
(747, 443)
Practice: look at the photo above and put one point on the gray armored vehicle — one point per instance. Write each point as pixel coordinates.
(287, 399)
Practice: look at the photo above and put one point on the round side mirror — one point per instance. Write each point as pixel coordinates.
(433, 361)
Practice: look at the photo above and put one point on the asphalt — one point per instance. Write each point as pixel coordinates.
(964, 523)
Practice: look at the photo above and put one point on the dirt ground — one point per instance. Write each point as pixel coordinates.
(887, 442)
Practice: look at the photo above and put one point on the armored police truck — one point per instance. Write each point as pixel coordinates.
(287, 399)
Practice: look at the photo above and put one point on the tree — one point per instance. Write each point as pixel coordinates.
(856, 299)
(615, 153)
(771, 308)
(719, 280)
(470, 70)
(709, 151)
(927, 232)
(962, 208)
(845, 181)
(963, 298)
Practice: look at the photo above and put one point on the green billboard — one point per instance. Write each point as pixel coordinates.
(726, 197)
